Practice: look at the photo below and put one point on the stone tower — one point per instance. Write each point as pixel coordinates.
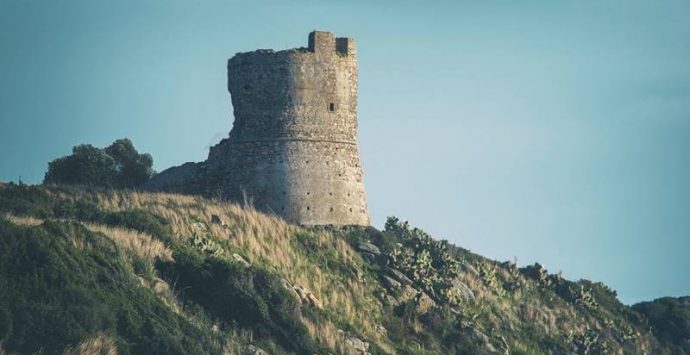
(293, 146)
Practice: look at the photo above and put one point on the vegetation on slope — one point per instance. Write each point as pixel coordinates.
(117, 165)
(86, 270)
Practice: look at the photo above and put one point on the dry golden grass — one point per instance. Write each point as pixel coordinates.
(329, 335)
(140, 244)
(262, 238)
(24, 220)
(101, 344)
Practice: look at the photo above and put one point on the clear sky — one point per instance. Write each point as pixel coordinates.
(548, 131)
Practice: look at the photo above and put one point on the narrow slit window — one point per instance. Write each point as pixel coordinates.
(331, 107)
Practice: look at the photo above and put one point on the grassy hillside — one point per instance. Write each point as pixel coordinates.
(95, 271)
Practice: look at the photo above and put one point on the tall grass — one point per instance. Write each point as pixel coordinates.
(140, 244)
(267, 240)
(101, 344)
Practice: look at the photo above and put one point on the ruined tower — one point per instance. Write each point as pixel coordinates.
(292, 149)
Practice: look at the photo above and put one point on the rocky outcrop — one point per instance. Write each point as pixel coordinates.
(462, 291)
(423, 303)
(240, 259)
(369, 248)
(303, 295)
(399, 276)
(354, 344)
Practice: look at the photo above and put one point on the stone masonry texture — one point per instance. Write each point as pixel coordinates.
(292, 150)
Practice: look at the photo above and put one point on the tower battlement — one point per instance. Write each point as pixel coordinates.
(327, 43)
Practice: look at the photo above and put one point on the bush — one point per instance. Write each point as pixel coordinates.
(669, 319)
(118, 165)
(250, 297)
(54, 295)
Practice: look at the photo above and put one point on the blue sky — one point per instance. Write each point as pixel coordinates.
(556, 132)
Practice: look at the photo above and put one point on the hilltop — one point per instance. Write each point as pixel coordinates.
(87, 270)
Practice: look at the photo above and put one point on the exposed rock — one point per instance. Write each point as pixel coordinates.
(369, 256)
(255, 350)
(200, 226)
(424, 303)
(381, 329)
(399, 276)
(469, 268)
(356, 344)
(240, 259)
(315, 302)
(390, 282)
(390, 300)
(304, 296)
(215, 219)
(407, 293)
(481, 339)
(463, 291)
(288, 286)
(369, 248)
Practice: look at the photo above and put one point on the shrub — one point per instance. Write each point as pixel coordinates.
(61, 284)
(425, 260)
(250, 297)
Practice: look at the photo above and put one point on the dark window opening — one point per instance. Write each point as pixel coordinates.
(331, 209)
(331, 107)
(308, 208)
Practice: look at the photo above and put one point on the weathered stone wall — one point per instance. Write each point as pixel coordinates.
(293, 146)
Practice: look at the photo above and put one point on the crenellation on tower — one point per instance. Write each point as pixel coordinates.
(321, 42)
(292, 149)
(346, 46)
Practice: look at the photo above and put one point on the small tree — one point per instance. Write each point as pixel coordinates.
(134, 169)
(118, 165)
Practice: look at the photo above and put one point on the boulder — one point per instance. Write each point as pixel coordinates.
(215, 219)
(359, 346)
(481, 339)
(407, 293)
(369, 256)
(424, 303)
(255, 350)
(390, 300)
(303, 295)
(240, 259)
(369, 248)
(390, 283)
(469, 268)
(396, 274)
(463, 291)
(313, 301)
